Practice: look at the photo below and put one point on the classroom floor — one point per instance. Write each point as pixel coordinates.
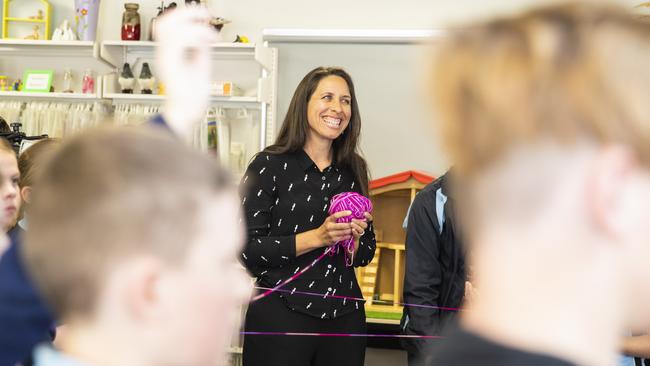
(385, 357)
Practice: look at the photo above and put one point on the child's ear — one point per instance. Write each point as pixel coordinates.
(142, 296)
(607, 185)
(26, 194)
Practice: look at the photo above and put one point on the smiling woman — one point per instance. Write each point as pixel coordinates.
(286, 195)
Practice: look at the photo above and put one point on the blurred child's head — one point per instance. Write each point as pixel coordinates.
(133, 241)
(30, 162)
(9, 178)
(545, 116)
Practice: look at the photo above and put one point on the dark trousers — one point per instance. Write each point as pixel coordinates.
(270, 314)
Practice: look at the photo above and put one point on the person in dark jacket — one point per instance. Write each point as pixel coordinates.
(435, 268)
(25, 319)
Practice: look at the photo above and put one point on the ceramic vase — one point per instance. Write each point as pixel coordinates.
(86, 17)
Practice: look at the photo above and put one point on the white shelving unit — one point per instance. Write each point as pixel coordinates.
(252, 67)
(17, 55)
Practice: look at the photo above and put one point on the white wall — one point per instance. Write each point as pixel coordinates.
(250, 17)
(397, 132)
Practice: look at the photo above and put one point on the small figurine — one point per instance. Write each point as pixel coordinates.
(17, 85)
(35, 34)
(241, 39)
(88, 82)
(3, 83)
(161, 89)
(218, 23)
(64, 32)
(146, 80)
(67, 81)
(126, 79)
(38, 16)
(131, 22)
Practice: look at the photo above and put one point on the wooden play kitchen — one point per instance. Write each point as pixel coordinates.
(382, 280)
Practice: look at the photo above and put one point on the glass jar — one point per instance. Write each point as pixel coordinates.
(131, 22)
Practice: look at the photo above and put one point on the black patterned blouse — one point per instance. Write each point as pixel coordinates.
(284, 195)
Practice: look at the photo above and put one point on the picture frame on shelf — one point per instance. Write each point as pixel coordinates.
(38, 81)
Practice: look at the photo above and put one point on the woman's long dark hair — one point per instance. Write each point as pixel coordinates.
(293, 134)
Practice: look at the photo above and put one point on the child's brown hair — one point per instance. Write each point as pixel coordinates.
(107, 195)
(562, 72)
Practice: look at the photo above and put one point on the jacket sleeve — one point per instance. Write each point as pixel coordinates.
(258, 198)
(423, 274)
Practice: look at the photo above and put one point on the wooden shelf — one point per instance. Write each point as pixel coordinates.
(382, 321)
(392, 246)
(388, 309)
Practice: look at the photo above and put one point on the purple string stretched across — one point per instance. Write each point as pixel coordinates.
(358, 205)
(443, 308)
(343, 335)
(287, 281)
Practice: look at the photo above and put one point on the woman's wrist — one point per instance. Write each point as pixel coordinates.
(315, 239)
(308, 241)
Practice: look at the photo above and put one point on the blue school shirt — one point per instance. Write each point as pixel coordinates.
(46, 356)
(25, 321)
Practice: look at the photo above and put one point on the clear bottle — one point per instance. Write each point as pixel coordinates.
(67, 81)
